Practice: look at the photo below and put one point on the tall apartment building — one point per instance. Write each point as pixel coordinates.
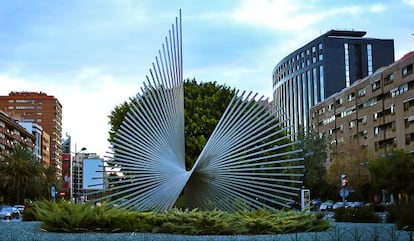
(42, 109)
(12, 133)
(324, 66)
(376, 112)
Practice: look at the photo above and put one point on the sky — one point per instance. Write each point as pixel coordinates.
(93, 55)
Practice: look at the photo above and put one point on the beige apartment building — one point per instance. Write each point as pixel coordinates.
(375, 113)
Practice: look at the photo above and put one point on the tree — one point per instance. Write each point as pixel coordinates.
(350, 160)
(204, 103)
(393, 171)
(18, 170)
(116, 117)
(315, 154)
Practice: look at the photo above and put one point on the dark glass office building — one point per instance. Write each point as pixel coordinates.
(324, 66)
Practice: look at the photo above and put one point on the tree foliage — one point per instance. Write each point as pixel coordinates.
(314, 149)
(350, 160)
(19, 173)
(116, 117)
(204, 103)
(393, 171)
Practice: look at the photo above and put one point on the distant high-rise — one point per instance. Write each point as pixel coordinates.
(42, 109)
(324, 66)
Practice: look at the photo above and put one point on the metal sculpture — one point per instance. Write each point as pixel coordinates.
(243, 164)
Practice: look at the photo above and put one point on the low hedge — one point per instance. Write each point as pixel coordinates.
(69, 217)
(364, 214)
(402, 214)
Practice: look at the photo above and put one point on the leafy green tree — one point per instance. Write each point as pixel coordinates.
(393, 171)
(350, 159)
(18, 170)
(315, 154)
(204, 103)
(116, 117)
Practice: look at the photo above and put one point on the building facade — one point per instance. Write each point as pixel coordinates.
(42, 109)
(11, 133)
(324, 66)
(376, 113)
(37, 131)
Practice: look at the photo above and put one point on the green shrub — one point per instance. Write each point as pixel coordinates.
(29, 214)
(364, 214)
(67, 217)
(402, 214)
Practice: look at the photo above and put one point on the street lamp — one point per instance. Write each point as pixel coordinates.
(75, 159)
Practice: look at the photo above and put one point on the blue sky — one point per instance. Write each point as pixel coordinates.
(94, 54)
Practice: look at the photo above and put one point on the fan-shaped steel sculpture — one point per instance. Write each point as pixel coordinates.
(248, 161)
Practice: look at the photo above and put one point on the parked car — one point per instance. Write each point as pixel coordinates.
(20, 207)
(9, 212)
(327, 205)
(339, 205)
(356, 204)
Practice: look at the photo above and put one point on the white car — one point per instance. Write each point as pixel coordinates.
(8, 213)
(20, 207)
(326, 206)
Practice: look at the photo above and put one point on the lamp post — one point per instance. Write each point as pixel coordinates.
(75, 163)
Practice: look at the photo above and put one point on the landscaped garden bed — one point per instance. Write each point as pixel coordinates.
(84, 217)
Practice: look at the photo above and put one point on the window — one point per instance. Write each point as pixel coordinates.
(408, 138)
(361, 92)
(320, 46)
(331, 106)
(321, 110)
(408, 103)
(362, 120)
(369, 58)
(389, 79)
(370, 102)
(351, 96)
(376, 116)
(24, 107)
(338, 102)
(407, 70)
(376, 85)
(399, 90)
(377, 131)
(408, 121)
(352, 124)
(347, 74)
(321, 83)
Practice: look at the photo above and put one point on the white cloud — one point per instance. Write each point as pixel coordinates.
(293, 16)
(278, 15)
(409, 2)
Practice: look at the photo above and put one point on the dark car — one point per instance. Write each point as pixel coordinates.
(9, 212)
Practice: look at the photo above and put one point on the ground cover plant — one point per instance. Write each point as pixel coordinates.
(84, 217)
(358, 215)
